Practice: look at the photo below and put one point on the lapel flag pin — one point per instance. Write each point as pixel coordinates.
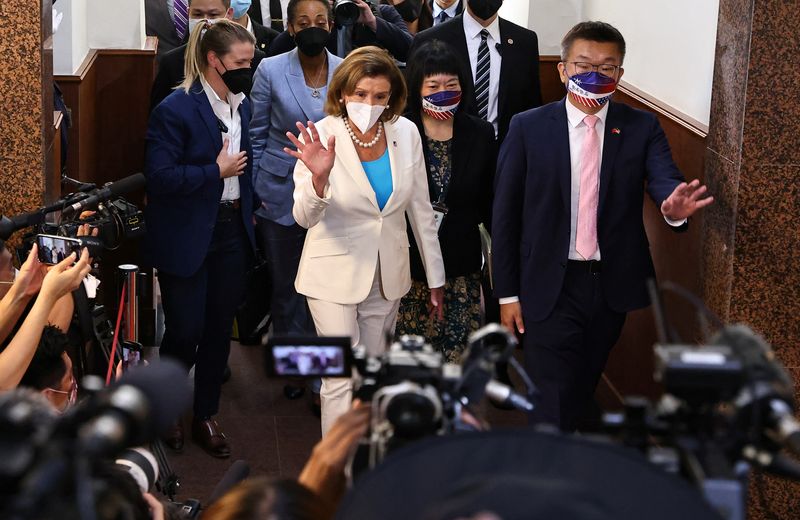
(615, 131)
(511, 41)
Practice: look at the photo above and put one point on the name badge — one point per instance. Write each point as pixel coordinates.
(439, 212)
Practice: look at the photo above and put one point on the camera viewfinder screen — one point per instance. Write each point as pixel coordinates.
(309, 360)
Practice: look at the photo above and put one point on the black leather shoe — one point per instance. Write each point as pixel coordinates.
(174, 437)
(293, 392)
(209, 436)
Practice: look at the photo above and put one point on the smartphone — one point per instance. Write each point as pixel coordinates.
(309, 357)
(53, 249)
(131, 354)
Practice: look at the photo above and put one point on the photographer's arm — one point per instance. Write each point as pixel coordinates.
(324, 472)
(62, 279)
(26, 285)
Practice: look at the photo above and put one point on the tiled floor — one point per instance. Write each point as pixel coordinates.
(272, 434)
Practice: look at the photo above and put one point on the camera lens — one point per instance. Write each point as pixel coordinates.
(412, 415)
(346, 12)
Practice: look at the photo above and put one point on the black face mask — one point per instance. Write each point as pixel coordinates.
(485, 9)
(311, 41)
(237, 80)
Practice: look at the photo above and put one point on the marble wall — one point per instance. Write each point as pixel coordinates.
(26, 98)
(751, 239)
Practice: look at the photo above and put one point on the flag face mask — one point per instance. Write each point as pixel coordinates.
(441, 105)
(591, 89)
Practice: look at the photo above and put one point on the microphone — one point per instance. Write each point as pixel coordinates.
(499, 48)
(503, 394)
(222, 126)
(9, 225)
(238, 471)
(111, 190)
(143, 404)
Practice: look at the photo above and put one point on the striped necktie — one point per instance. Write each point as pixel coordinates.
(482, 76)
(181, 18)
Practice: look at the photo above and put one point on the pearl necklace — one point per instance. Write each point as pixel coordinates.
(358, 141)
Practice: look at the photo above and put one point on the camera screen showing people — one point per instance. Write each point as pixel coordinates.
(53, 249)
(308, 357)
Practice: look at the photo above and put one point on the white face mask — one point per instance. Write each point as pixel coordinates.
(364, 116)
(194, 21)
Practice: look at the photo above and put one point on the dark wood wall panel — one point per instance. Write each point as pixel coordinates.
(676, 255)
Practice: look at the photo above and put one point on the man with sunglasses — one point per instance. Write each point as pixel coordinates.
(570, 253)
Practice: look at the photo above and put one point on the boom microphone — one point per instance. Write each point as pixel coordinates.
(109, 191)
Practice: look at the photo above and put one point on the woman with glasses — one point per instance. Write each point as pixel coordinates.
(460, 155)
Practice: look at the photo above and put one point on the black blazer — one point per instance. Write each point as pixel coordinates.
(531, 217)
(264, 37)
(392, 35)
(468, 199)
(519, 70)
(170, 73)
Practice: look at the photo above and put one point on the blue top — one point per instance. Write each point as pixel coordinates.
(379, 174)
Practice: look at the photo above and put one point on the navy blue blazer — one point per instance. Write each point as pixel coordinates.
(183, 183)
(531, 212)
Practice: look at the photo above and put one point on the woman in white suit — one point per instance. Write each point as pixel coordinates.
(360, 171)
(288, 88)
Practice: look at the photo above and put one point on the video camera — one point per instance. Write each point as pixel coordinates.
(51, 464)
(412, 391)
(115, 218)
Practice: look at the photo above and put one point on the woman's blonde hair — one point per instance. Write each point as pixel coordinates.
(366, 62)
(218, 37)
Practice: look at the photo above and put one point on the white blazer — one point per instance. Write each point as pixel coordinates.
(347, 233)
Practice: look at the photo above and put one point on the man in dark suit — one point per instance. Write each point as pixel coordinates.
(171, 65)
(160, 22)
(507, 80)
(571, 257)
(269, 13)
(383, 27)
(263, 35)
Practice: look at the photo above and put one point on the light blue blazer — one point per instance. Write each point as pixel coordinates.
(280, 98)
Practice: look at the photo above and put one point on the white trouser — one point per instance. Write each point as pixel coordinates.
(367, 324)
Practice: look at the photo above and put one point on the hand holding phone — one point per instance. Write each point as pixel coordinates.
(53, 249)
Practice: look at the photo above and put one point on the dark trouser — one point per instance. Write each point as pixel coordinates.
(565, 354)
(282, 247)
(199, 311)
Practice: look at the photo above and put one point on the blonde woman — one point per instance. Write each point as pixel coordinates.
(200, 204)
(360, 171)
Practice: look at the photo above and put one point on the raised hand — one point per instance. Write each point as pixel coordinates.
(230, 165)
(64, 277)
(685, 200)
(31, 274)
(317, 158)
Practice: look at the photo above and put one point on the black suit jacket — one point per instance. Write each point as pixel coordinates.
(264, 36)
(468, 199)
(392, 35)
(426, 14)
(170, 73)
(532, 208)
(519, 69)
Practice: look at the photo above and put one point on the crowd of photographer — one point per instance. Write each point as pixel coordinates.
(366, 188)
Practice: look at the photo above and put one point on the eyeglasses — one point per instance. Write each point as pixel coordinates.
(606, 69)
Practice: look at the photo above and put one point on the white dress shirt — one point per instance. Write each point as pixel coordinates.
(250, 26)
(266, 16)
(451, 11)
(472, 31)
(228, 113)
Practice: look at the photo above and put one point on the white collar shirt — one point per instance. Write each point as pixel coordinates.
(472, 32)
(250, 26)
(228, 113)
(266, 16)
(577, 135)
(451, 11)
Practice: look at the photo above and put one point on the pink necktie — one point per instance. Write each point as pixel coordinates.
(586, 235)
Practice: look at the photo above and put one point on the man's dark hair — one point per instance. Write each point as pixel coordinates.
(291, 9)
(595, 32)
(432, 57)
(47, 367)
